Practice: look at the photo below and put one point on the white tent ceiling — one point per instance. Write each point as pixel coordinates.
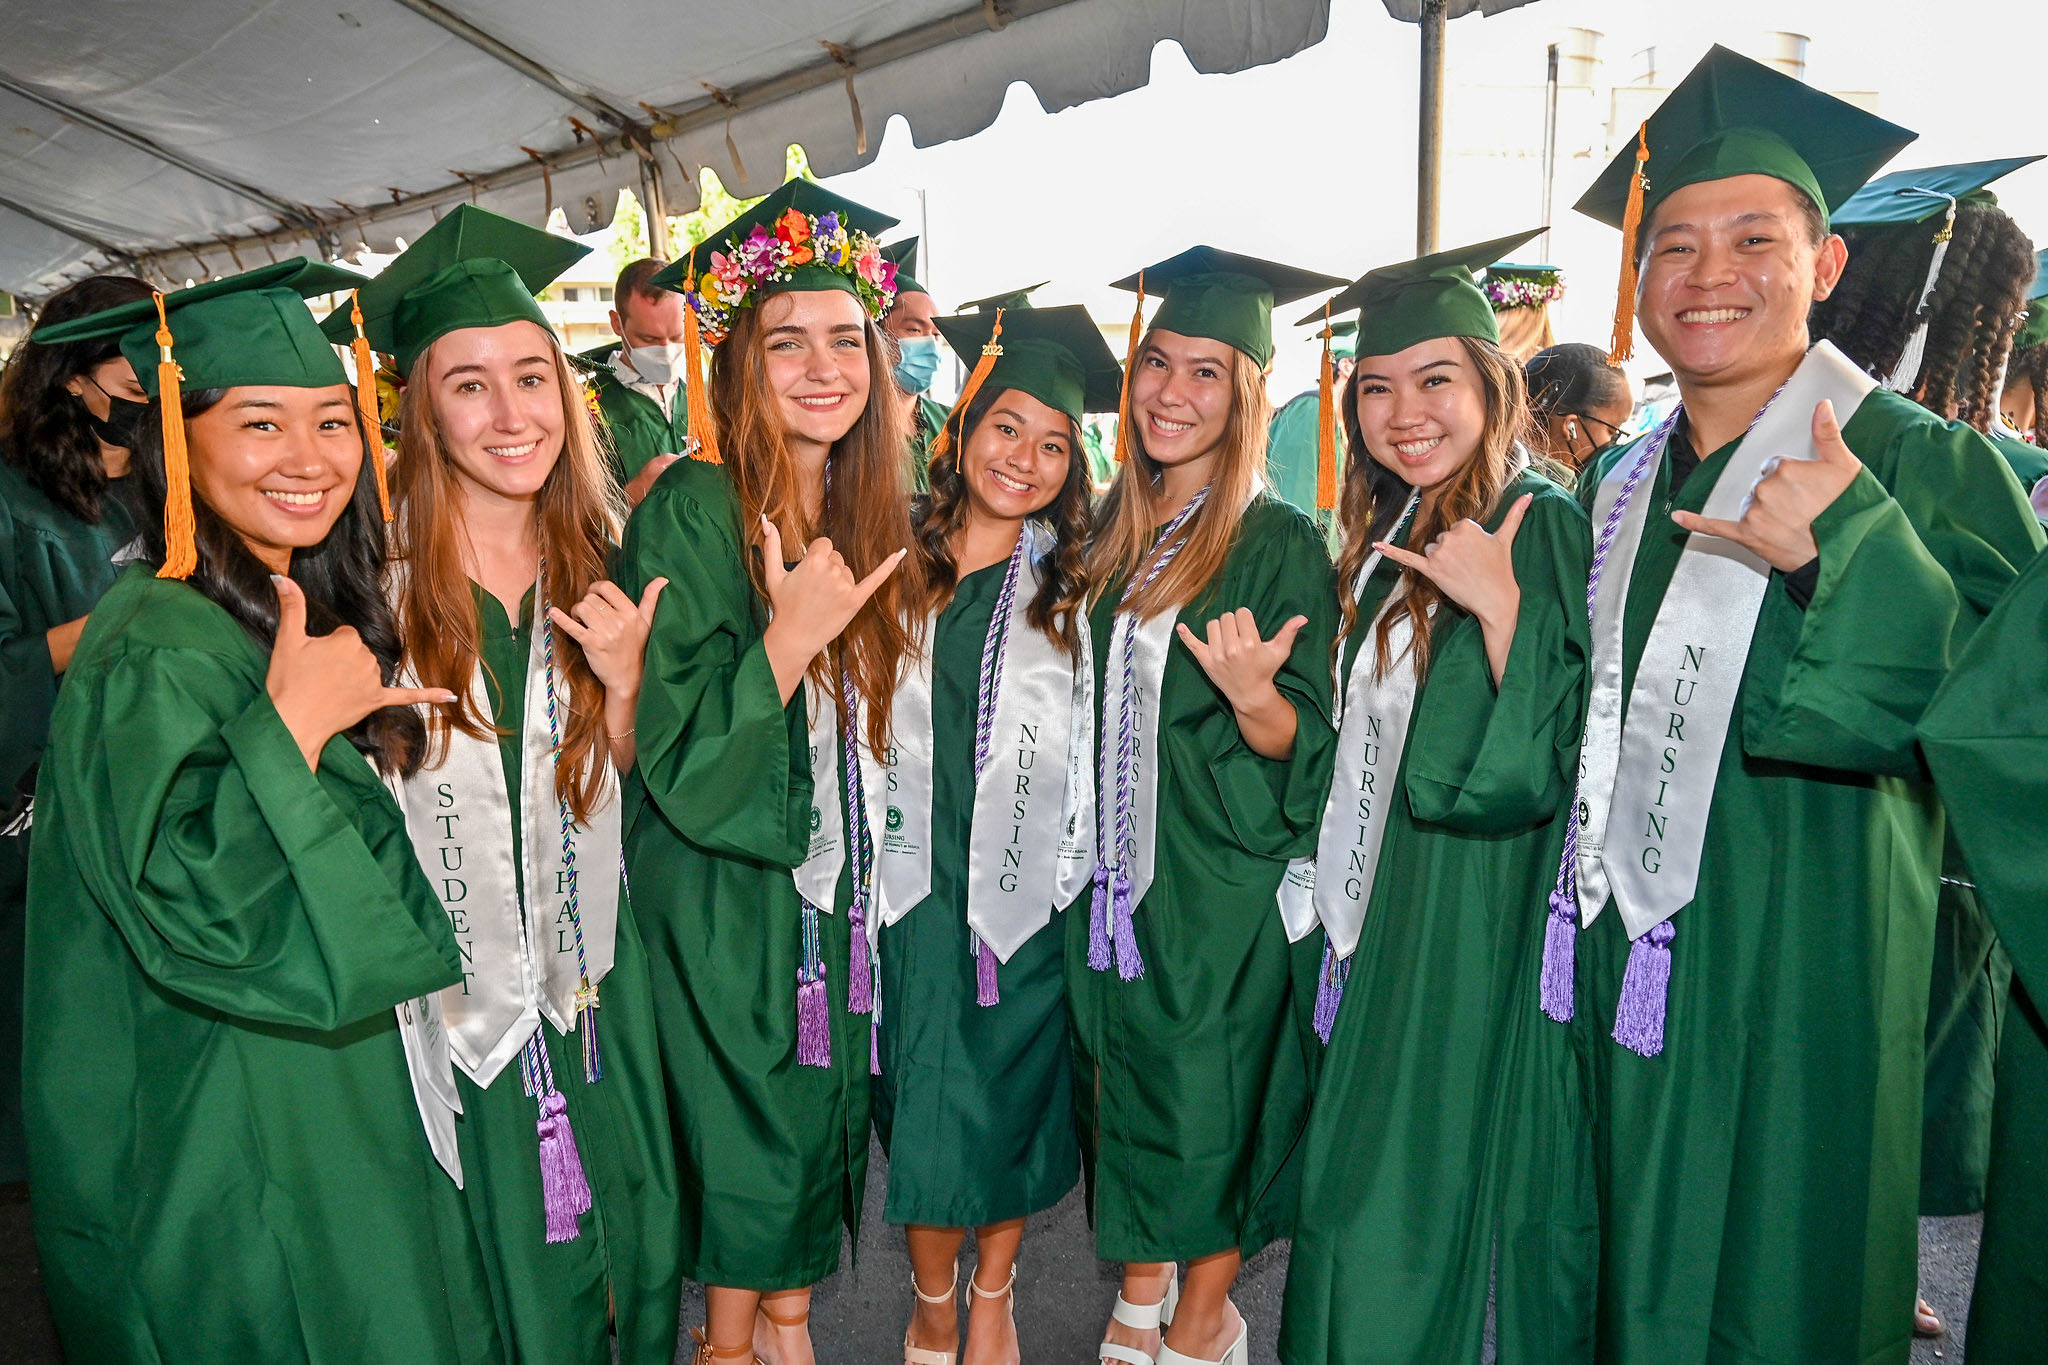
(204, 136)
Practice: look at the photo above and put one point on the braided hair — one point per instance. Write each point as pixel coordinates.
(1972, 317)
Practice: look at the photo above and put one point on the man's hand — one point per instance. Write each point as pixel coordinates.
(1777, 526)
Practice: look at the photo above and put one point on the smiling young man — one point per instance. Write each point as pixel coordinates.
(638, 379)
(1756, 851)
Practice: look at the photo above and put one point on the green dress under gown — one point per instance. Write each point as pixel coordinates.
(1191, 1082)
(1986, 739)
(554, 1299)
(1758, 1179)
(53, 567)
(771, 1155)
(974, 1104)
(226, 1162)
(1447, 1147)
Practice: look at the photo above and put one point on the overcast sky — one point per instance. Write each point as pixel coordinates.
(1312, 160)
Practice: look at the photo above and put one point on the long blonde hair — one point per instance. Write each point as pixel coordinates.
(1374, 496)
(581, 511)
(866, 508)
(1126, 524)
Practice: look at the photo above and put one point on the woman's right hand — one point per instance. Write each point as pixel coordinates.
(811, 603)
(323, 685)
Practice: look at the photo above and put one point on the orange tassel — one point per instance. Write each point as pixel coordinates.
(1123, 402)
(1326, 426)
(1623, 344)
(696, 403)
(990, 353)
(366, 399)
(181, 549)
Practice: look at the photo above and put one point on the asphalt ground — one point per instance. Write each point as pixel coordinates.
(1063, 1292)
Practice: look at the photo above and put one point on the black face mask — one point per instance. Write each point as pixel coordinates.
(122, 426)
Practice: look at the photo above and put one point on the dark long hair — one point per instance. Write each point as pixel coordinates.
(43, 428)
(2030, 368)
(342, 578)
(1972, 317)
(1062, 586)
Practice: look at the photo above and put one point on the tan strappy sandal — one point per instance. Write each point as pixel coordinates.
(919, 1355)
(1008, 1291)
(707, 1354)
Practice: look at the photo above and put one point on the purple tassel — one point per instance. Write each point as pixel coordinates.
(986, 992)
(1639, 1016)
(1098, 921)
(1560, 947)
(860, 989)
(813, 1025)
(1129, 965)
(1330, 992)
(874, 1045)
(564, 1192)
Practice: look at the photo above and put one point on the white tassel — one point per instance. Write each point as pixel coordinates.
(1907, 372)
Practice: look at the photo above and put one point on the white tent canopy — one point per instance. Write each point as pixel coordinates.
(198, 138)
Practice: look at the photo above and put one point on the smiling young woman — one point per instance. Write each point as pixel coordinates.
(504, 515)
(219, 1035)
(1189, 994)
(1462, 667)
(768, 688)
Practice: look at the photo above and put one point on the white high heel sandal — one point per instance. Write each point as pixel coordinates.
(1238, 1353)
(1141, 1317)
(918, 1355)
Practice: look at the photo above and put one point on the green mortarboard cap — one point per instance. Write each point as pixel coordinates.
(1732, 116)
(904, 254)
(1916, 196)
(249, 329)
(1225, 297)
(2034, 331)
(1057, 355)
(806, 197)
(1014, 299)
(474, 268)
(1421, 300)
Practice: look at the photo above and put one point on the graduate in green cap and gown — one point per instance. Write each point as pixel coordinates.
(1293, 440)
(1462, 682)
(1986, 739)
(504, 518)
(771, 669)
(68, 418)
(1213, 613)
(989, 822)
(912, 323)
(1930, 256)
(637, 381)
(227, 1079)
(1782, 569)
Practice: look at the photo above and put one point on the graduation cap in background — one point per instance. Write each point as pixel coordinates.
(1013, 299)
(1057, 355)
(2034, 331)
(903, 255)
(1733, 116)
(474, 268)
(246, 330)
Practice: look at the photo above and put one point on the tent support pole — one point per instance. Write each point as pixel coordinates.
(1430, 129)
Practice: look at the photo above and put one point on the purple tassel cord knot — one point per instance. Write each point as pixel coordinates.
(1099, 951)
(1645, 991)
(565, 1192)
(1560, 948)
(1330, 991)
(1123, 928)
(813, 1017)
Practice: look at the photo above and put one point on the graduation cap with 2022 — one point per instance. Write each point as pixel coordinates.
(474, 268)
(1733, 116)
(1057, 355)
(248, 330)
(1424, 299)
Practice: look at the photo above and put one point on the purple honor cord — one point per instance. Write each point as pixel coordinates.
(862, 989)
(1112, 934)
(994, 648)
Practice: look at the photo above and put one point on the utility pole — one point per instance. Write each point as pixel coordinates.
(1549, 148)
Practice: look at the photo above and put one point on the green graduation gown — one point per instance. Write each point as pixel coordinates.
(1986, 740)
(1758, 1179)
(638, 428)
(1291, 450)
(926, 419)
(1442, 1075)
(226, 1161)
(974, 1104)
(2028, 461)
(1191, 1082)
(772, 1156)
(553, 1299)
(53, 567)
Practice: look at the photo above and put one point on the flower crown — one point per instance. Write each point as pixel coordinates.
(1522, 289)
(735, 278)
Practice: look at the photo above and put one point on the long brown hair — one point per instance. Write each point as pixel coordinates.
(1374, 496)
(1126, 524)
(1062, 584)
(866, 505)
(580, 514)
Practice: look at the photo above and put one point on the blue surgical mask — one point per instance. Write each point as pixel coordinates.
(920, 362)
